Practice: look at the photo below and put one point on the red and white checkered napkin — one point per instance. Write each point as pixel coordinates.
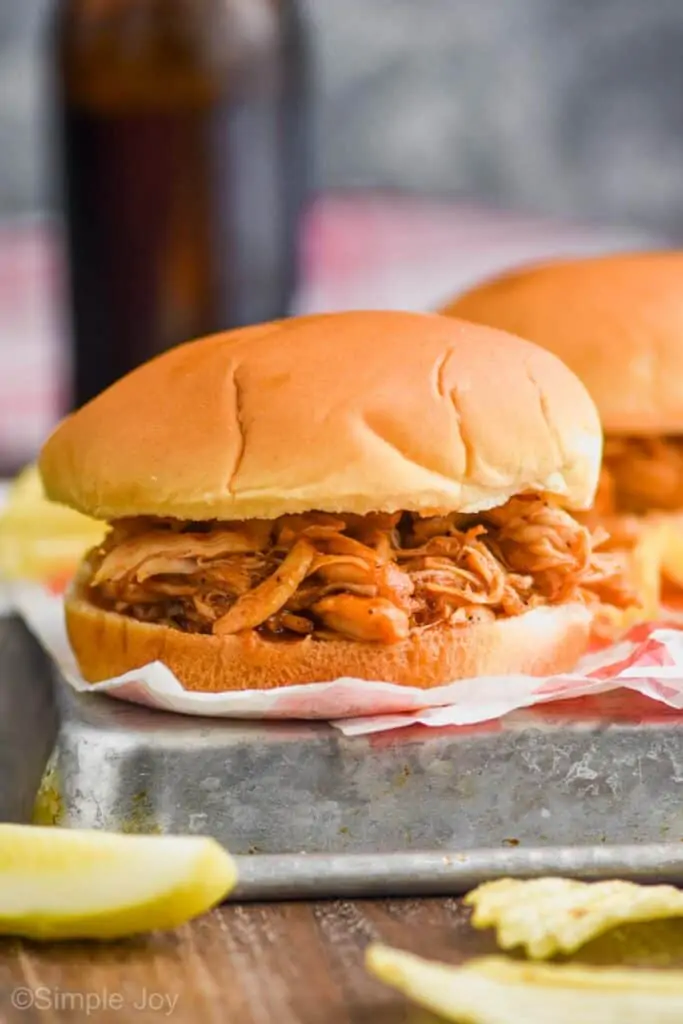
(649, 661)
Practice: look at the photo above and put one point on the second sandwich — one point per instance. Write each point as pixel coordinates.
(617, 322)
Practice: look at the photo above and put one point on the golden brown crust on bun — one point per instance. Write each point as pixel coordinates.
(617, 322)
(541, 642)
(345, 412)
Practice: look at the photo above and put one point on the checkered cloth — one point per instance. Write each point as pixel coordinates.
(357, 253)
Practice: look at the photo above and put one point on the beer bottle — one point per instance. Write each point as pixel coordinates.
(184, 152)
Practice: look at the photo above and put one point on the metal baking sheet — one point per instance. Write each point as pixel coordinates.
(390, 808)
(319, 876)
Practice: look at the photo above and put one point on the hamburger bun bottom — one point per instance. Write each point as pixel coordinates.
(541, 642)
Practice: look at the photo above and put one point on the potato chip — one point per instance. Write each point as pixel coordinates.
(558, 915)
(656, 562)
(493, 990)
(672, 550)
(642, 567)
(40, 540)
(646, 562)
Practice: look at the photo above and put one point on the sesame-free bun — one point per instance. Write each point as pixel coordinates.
(540, 642)
(343, 412)
(616, 321)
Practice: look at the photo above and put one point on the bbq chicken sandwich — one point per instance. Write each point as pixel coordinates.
(387, 496)
(617, 322)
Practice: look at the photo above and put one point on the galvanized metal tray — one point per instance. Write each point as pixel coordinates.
(564, 789)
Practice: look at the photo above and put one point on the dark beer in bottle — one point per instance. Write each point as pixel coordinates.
(184, 146)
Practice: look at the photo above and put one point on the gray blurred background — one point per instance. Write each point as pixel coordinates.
(569, 107)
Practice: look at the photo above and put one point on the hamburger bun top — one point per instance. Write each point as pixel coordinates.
(343, 412)
(617, 321)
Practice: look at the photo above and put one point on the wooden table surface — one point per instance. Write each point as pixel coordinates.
(285, 963)
(282, 963)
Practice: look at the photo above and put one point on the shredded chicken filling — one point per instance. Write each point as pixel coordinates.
(641, 474)
(369, 578)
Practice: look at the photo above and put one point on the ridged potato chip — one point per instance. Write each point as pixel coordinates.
(494, 990)
(548, 916)
(672, 553)
(647, 561)
(643, 566)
